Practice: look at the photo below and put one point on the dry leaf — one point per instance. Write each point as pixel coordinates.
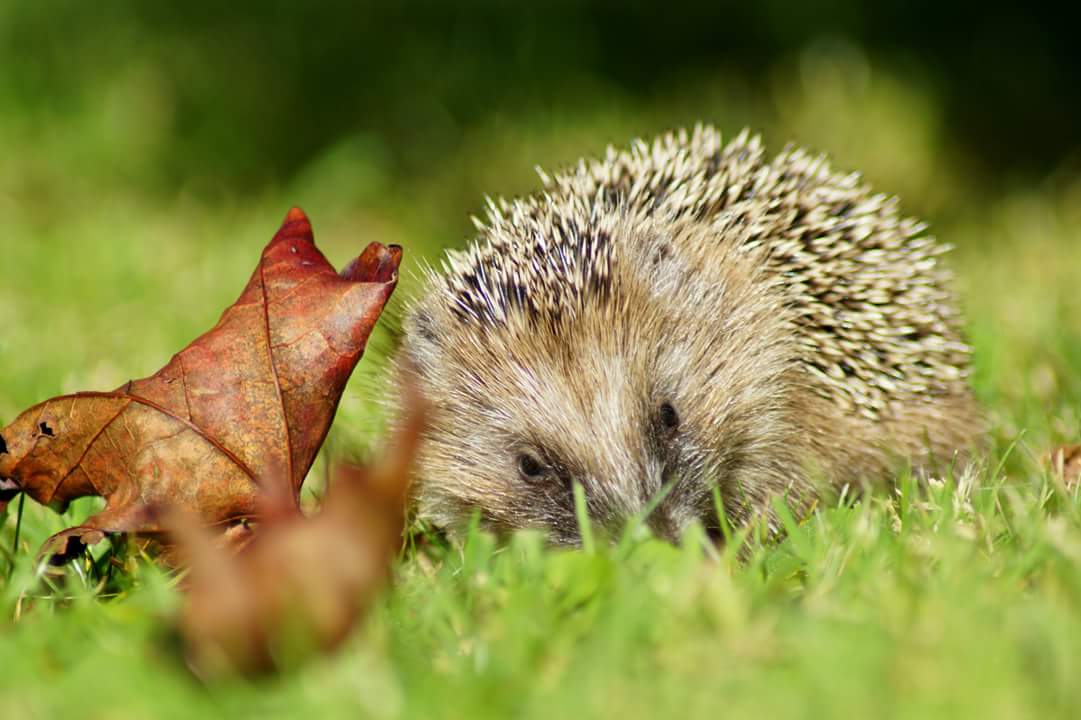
(245, 406)
(301, 584)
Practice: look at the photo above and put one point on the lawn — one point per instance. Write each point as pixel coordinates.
(961, 599)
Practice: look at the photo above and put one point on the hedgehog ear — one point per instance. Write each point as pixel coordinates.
(423, 346)
(424, 326)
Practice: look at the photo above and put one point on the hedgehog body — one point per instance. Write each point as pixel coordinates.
(680, 322)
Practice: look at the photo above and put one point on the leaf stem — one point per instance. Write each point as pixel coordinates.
(18, 529)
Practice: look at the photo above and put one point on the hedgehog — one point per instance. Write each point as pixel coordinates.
(687, 330)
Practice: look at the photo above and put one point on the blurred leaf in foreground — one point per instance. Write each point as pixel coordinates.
(301, 584)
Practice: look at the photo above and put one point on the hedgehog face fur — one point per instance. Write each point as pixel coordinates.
(675, 319)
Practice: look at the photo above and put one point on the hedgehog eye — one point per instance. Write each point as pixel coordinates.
(530, 466)
(668, 417)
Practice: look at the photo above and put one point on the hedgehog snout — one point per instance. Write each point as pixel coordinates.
(664, 526)
(639, 496)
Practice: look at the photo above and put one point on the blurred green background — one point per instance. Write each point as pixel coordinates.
(150, 149)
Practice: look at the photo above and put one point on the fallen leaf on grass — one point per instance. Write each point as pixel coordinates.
(301, 584)
(244, 406)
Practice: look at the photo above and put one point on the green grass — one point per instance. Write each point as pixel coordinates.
(959, 599)
(942, 603)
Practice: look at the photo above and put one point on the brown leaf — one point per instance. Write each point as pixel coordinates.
(245, 406)
(1065, 463)
(301, 584)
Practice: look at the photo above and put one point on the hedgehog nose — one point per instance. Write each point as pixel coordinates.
(663, 525)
